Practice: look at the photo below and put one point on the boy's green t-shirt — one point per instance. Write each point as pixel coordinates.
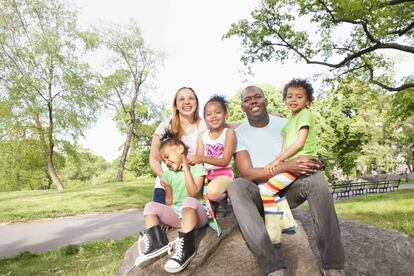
(291, 129)
(177, 182)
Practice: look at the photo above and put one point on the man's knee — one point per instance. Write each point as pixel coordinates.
(236, 186)
(318, 183)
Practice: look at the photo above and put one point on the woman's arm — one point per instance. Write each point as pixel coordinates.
(198, 158)
(168, 194)
(229, 144)
(200, 146)
(154, 156)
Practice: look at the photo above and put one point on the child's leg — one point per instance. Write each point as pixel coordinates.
(155, 212)
(277, 183)
(153, 239)
(194, 216)
(273, 214)
(217, 187)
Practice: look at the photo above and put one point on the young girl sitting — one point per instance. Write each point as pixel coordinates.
(183, 184)
(215, 148)
(299, 138)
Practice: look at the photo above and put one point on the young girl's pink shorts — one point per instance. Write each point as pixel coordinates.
(213, 173)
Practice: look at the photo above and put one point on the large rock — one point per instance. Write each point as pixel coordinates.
(369, 251)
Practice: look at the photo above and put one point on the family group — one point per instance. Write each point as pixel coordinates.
(277, 168)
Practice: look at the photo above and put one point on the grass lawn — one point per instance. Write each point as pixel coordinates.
(94, 258)
(23, 206)
(392, 210)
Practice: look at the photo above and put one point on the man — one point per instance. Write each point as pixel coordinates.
(258, 142)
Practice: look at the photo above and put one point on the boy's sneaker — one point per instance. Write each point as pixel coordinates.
(184, 251)
(155, 245)
(273, 223)
(288, 221)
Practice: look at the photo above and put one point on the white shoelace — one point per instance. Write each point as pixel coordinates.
(143, 238)
(178, 250)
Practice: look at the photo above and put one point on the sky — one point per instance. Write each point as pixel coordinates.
(190, 34)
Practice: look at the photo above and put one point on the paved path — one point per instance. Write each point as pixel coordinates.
(407, 186)
(41, 236)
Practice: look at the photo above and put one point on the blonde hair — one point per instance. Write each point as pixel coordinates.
(175, 121)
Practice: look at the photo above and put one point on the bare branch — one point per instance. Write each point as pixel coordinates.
(113, 105)
(369, 34)
(396, 2)
(386, 87)
(20, 17)
(57, 94)
(351, 70)
(405, 30)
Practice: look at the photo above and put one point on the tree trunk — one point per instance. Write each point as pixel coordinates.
(50, 166)
(127, 145)
(53, 175)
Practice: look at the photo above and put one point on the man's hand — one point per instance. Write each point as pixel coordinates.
(195, 160)
(303, 165)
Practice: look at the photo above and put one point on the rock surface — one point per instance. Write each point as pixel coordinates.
(369, 251)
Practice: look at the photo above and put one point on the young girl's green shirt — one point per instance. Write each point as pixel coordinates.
(177, 182)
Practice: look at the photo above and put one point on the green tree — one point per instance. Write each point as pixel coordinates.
(81, 165)
(22, 165)
(273, 95)
(366, 26)
(404, 139)
(50, 91)
(355, 130)
(133, 62)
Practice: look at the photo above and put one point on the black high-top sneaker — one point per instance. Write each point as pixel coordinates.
(155, 245)
(184, 251)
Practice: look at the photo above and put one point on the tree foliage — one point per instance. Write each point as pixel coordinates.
(80, 165)
(344, 35)
(358, 132)
(49, 94)
(275, 103)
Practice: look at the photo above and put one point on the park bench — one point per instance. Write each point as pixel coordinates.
(371, 187)
(360, 188)
(341, 189)
(357, 188)
(393, 184)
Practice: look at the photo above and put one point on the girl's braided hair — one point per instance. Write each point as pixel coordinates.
(170, 138)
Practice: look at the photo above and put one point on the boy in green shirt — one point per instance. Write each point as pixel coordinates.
(299, 138)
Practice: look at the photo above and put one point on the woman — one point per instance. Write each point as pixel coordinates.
(187, 124)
